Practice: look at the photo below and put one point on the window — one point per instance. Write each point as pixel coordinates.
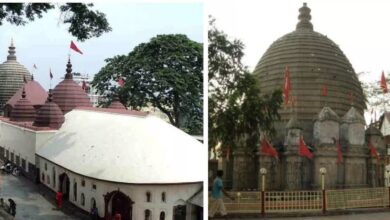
(75, 190)
(148, 197)
(7, 154)
(82, 199)
(148, 214)
(93, 203)
(45, 166)
(83, 183)
(94, 186)
(162, 216)
(48, 180)
(12, 157)
(43, 177)
(54, 177)
(163, 196)
(17, 160)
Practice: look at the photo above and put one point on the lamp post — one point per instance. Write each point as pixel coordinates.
(323, 172)
(263, 171)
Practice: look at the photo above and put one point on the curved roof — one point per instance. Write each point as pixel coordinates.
(116, 103)
(36, 94)
(68, 94)
(49, 115)
(125, 147)
(23, 109)
(314, 61)
(11, 76)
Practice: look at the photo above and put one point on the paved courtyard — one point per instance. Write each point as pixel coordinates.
(360, 216)
(30, 204)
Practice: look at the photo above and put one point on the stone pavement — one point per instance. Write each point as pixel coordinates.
(381, 215)
(34, 201)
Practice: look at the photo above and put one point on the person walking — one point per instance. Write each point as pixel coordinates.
(216, 204)
(12, 207)
(59, 199)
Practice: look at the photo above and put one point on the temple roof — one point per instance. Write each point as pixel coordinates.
(23, 109)
(68, 94)
(353, 116)
(11, 76)
(125, 147)
(49, 115)
(36, 94)
(327, 114)
(314, 61)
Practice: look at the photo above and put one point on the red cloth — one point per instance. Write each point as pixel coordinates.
(74, 47)
(373, 151)
(324, 91)
(268, 149)
(121, 82)
(383, 82)
(304, 150)
(59, 199)
(287, 85)
(339, 152)
(117, 216)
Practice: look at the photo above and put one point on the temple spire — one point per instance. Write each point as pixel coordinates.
(50, 97)
(69, 74)
(304, 18)
(11, 51)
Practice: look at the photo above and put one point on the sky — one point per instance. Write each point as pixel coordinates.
(45, 42)
(360, 28)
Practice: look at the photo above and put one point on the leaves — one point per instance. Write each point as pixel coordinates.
(165, 73)
(84, 23)
(237, 108)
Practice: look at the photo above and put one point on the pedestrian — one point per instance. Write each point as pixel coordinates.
(59, 199)
(12, 207)
(94, 212)
(217, 206)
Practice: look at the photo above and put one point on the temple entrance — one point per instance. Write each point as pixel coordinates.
(64, 186)
(118, 202)
(179, 210)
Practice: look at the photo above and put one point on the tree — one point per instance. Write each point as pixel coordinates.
(165, 73)
(84, 23)
(237, 108)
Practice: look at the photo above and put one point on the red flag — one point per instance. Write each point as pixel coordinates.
(287, 85)
(121, 82)
(304, 150)
(383, 83)
(324, 91)
(74, 47)
(51, 75)
(268, 149)
(339, 152)
(373, 151)
(84, 85)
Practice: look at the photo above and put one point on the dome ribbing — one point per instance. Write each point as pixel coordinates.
(49, 115)
(23, 110)
(11, 76)
(68, 94)
(314, 61)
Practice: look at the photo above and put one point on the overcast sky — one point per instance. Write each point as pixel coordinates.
(46, 43)
(360, 28)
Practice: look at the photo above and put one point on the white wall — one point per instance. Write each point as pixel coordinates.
(137, 193)
(22, 141)
(385, 129)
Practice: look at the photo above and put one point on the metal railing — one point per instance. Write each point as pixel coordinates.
(307, 201)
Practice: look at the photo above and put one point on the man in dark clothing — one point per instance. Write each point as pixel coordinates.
(12, 207)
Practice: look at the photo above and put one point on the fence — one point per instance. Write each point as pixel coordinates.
(307, 201)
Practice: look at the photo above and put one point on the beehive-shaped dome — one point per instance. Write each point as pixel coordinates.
(11, 76)
(116, 103)
(49, 115)
(314, 61)
(23, 110)
(68, 94)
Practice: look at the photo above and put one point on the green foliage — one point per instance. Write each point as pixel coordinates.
(84, 23)
(165, 73)
(237, 108)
